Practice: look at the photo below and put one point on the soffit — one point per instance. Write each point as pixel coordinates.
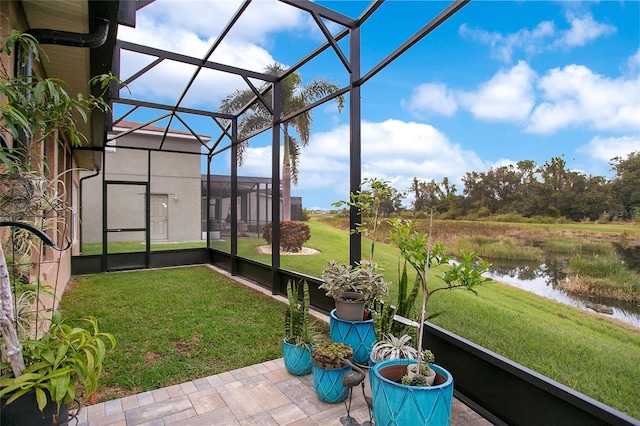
(70, 64)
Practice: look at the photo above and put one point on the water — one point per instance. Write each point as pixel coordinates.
(542, 280)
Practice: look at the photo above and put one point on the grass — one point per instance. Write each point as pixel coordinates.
(603, 276)
(157, 346)
(175, 325)
(135, 246)
(586, 352)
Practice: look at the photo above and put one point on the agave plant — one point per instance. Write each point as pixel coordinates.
(392, 347)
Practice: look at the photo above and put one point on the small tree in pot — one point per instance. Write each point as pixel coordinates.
(417, 250)
(413, 402)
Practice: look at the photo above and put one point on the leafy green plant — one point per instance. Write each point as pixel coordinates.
(369, 202)
(417, 250)
(292, 235)
(63, 358)
(339, 277)
(39, 110)
(298, 328)
(383, 313)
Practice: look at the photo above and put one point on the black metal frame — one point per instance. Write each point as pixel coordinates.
(352, 65)
(501, 390)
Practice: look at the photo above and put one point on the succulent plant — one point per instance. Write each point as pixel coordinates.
(298, 327)
(339, 278)
(329, 354)
(417, 380)
(392, 347)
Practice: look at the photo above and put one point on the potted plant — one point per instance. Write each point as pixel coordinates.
(328, 370)
(392, 347)
(299, 334)
(64, 358)
(352, 288)
(363, 284)
(48, 362)
(389, 394)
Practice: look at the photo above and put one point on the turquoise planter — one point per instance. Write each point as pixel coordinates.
(360, 335)
(328, 384)
(397, 404)
(297, 359)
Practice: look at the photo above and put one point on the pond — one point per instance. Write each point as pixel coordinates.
(542, 279)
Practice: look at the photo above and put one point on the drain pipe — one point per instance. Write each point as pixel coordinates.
(63, 38)
(66, 38)
(97, 172)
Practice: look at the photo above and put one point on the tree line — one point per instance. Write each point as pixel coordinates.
(530, 190)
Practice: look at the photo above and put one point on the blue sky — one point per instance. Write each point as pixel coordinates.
(499, 82)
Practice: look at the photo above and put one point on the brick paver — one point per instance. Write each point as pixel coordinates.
(263, 394)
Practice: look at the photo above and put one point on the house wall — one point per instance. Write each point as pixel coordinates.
(176, 176)
(51, 267)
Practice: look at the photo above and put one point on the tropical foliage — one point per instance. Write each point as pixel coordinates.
(255, 116)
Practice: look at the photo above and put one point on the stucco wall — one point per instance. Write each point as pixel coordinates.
(174, 175)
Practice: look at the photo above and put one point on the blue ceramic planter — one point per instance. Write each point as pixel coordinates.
(328, 384)
(360, 335)
(297, 359)
(398, 404)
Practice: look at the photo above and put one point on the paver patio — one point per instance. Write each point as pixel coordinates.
(263, 394)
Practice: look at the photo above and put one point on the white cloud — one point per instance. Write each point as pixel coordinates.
(391, 150)
(207, 18)
(503, 46)
(192, 32)
(583, 30)
(544, 36)
(604, 149)
(633, 64)
(576, 96)
(432, 97)
(507, 96)
(568, 97)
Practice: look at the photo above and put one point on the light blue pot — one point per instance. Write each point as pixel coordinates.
(297, 359)
(398, 404)
(360, 335)
(328, 384)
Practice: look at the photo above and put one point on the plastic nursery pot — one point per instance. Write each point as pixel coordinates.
(24, 411)
(297, 359)
(360, 335)
(350, 306)
(398, 404)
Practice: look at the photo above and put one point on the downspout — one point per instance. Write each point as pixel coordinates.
(97, 172)
(63, 38)
(71, 39)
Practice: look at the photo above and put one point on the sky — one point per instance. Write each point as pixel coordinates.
(497, 83)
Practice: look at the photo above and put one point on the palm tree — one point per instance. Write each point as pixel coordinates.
(294, 97)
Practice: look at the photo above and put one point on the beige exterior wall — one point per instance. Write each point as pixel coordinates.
(173, 175)
(51, 267)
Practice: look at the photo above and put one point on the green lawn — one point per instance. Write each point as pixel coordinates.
(180, 323)
(175, 325)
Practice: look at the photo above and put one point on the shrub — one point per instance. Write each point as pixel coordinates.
(292, 235)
